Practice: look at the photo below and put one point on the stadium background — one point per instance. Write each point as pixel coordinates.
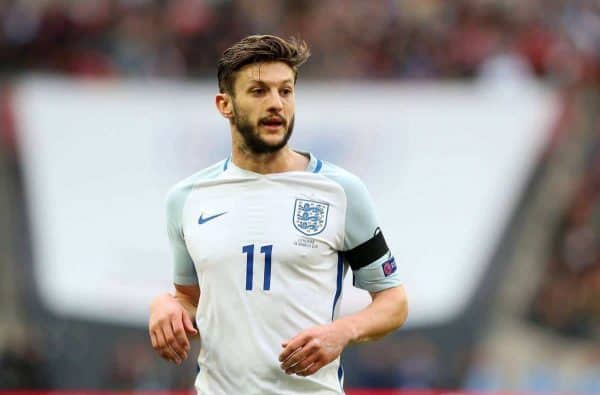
(532, 320)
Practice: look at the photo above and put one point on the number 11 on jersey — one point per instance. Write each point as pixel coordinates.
(249, 251)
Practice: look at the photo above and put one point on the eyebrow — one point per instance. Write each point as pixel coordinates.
(253, 81)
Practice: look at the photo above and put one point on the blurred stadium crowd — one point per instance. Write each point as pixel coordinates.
(349, 38)
(555, 40)
(569, 297)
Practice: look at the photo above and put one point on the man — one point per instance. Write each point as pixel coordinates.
(262, 241)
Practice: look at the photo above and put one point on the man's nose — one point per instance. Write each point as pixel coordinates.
(275, 102)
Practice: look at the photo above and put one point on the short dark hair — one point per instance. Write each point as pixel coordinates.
(256, 49)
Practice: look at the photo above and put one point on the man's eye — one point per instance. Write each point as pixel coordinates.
(257, 91)
(286, 92)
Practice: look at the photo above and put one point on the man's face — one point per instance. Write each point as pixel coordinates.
(263, 106)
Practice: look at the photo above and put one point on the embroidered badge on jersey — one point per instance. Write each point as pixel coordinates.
(389, 266)
(310, 218)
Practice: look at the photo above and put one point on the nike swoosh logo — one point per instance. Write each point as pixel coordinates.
(205, 220)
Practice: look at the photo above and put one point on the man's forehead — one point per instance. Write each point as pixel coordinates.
(271, 72)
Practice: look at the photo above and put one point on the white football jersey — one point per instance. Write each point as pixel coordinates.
(269, 253)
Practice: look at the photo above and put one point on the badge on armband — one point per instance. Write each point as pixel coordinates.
(389, 267)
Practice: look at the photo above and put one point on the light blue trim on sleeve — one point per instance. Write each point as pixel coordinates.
(184, 271)
(361, 225)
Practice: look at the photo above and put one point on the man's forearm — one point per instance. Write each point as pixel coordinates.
(386, 313)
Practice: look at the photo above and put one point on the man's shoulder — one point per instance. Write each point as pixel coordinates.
(349, 181)
(184, 186)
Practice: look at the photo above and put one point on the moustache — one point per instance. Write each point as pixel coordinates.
(273, 120)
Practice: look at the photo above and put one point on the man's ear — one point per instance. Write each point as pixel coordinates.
(224, 105)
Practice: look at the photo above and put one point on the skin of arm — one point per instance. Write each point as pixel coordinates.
(171, 322)
(188, 297)
(315, 347)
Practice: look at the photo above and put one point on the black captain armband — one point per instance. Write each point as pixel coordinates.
(367, 252)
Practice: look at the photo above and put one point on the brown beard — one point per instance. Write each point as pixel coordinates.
(252, 140)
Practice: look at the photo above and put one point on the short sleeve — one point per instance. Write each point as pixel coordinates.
(361, 221)
(184, 272)
(365, 248)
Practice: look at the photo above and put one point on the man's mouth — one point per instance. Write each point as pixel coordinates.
(273, 122)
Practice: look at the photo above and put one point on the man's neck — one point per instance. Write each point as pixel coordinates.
(277, 162)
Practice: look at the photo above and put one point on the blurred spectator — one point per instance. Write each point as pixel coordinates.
(22, 361)
(133, 366)
(410, 362)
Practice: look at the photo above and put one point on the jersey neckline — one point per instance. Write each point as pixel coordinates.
(314, 166)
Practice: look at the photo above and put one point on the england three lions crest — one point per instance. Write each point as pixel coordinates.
(310, 218)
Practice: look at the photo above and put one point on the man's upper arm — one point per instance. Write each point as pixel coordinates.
(184, 272)
(365, 248)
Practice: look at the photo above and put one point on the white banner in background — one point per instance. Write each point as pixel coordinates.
(446, 165)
